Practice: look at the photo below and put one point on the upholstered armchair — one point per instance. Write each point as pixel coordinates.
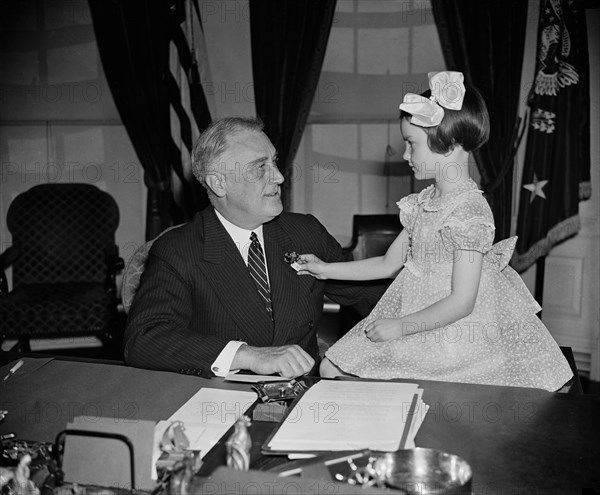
(64, 262)
(134, 269)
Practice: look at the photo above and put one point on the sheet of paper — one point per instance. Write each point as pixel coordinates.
(236, 377)
(206, 416)
(299, 455)
(417, 420)
(214, 406)
(335, 415)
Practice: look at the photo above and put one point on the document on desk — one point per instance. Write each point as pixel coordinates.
(214, 406)
(337, 415)
(238, 377)
(206, 417)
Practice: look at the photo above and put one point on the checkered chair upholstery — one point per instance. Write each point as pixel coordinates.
(64, 260)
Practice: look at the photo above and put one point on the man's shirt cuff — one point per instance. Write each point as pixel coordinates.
(222, 365)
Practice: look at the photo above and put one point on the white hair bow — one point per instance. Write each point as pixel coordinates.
(447, 91)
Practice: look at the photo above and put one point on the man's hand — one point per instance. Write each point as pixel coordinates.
(289, 360)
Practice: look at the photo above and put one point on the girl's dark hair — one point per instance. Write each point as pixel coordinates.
(468, 127)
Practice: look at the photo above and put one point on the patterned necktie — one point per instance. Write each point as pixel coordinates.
(258, 270)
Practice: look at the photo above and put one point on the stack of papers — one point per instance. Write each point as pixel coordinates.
(338, 415)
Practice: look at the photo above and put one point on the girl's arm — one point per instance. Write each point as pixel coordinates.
(385, 266)
(466, 274)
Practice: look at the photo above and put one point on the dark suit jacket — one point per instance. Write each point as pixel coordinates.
(196, 294)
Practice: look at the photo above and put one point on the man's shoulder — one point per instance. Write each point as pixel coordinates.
(298, 223)
(177, 232)
(288, 217)
(189, 233)
(303, 232)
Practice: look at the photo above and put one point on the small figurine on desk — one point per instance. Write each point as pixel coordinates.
(18, 481)
(238, 445)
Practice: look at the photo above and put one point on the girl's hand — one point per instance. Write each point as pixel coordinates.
(384, 329)
(312, 265)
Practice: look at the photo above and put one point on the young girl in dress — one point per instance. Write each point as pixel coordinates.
(456, 311)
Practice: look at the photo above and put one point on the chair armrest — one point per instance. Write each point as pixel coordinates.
(347, 253)
(3, 284)
(7, 258)
(114, 264)
(575, 387)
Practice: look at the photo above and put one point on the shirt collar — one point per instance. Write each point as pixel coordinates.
(241, 237)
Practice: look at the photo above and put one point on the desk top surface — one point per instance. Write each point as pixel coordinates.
(517, 440)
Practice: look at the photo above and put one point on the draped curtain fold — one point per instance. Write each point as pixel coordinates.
(133, 38)
(485, 40)
(288, 47)
(133, 43)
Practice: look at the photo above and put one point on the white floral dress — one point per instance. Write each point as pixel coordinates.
(502, 342)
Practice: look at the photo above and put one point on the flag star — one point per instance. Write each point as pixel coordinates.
(536, 188)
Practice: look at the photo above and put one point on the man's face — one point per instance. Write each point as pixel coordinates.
(252, 180)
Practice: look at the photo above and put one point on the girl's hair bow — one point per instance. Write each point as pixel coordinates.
(447, 91)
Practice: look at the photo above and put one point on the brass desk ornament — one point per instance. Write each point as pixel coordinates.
(239, 444)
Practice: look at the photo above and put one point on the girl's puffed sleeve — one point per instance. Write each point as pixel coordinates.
(408, 211)
(470, 226)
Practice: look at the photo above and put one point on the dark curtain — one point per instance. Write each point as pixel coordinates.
(288, 46)
(485, 40)
(133, 41)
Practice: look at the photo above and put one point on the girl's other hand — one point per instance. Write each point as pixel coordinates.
(312, 265)
(384, 329)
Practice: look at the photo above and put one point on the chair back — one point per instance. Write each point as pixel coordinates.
(134, 269)
(373, 234)
(63, 232)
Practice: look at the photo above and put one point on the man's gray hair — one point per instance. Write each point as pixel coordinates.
(213, 142)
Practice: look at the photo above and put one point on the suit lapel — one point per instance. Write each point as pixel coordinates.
(283, 280)
(227, 273)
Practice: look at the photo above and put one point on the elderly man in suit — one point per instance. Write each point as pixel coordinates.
(217, 294)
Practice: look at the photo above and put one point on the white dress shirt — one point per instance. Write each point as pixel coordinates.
(241, 237)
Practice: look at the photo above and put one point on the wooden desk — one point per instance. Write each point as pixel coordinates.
(517, 440)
